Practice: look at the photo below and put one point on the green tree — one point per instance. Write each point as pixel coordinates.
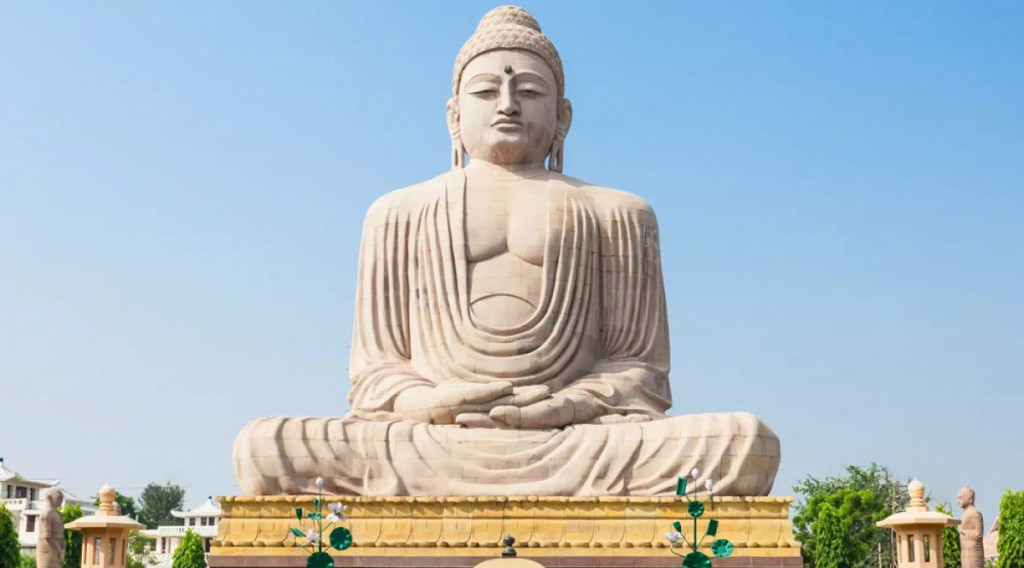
(27, 561)
(156, 503)
(950, 540)
(190, 553)
(1011, 530)
(863, 496)
(72, 539)
(127, 505)
(140, 550)
(833, 538)
(10, 550)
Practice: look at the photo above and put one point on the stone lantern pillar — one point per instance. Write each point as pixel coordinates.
(105, 534)
(918, 531)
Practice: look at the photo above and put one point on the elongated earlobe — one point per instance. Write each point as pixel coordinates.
(458, 150)
(556, 158)
(458, 154)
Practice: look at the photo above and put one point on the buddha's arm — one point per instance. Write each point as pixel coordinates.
(627, 388)
(55, 532)
(971, 526)
(630, 381)
(379, 363)
(632, 377)
(386, 385)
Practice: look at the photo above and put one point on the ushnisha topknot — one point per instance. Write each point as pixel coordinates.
(509, 27)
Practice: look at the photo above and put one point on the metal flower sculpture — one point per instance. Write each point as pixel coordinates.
(719, 547)
(340, 538)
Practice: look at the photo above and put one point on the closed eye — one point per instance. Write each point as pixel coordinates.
(482, 85)
(482, 90)
(531, 90)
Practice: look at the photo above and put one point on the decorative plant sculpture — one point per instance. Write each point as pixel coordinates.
(340, 538)
(719, 547)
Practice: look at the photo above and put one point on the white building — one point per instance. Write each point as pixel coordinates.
(202, 520)
(23, 497)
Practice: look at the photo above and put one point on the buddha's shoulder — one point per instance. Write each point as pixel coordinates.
(410, 197)
(607, 198)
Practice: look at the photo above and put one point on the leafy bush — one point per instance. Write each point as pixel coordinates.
(1011, 530)
(72, 539)
(950, 541)
(861, 498)
(832, 529)
(190, 553)
(10, 550)
(140, 550)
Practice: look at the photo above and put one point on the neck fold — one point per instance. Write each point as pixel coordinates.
(506, 171)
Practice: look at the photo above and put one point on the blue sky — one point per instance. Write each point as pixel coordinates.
(839, 187)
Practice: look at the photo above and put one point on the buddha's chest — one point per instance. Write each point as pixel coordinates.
(510, 218)
(508, 227)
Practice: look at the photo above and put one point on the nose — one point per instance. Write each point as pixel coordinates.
(507, 103)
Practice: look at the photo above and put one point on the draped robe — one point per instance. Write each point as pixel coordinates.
(972, 547)
(599, 330)
(50, 547)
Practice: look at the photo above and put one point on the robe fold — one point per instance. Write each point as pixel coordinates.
(599, 330)
(972, 535)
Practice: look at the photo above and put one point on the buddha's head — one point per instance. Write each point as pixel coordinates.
(508, 105)
(54, 497)
(965, 497)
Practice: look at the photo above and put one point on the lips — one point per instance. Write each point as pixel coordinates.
(505, 122)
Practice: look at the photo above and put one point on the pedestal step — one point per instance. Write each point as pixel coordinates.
(459, 532)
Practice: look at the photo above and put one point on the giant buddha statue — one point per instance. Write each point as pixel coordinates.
(510, 333)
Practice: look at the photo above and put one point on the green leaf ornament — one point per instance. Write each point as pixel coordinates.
(696, 560)
(695, 508)
(319, 560)
(721, 548)
(681, 486)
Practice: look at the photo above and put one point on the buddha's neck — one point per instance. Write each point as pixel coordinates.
(514, 171)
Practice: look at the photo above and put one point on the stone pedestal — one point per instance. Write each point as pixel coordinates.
(570, 532)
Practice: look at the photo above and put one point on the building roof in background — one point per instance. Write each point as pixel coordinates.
(7, 474)
(210, 508)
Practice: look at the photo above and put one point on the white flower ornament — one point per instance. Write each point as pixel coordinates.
(337, 512)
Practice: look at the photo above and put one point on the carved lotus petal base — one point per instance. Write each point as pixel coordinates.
(463, 531)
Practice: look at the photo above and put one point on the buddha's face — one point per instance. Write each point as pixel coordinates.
(54, 497)
(508, 108)
(965, 497)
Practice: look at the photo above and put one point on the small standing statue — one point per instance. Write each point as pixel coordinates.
(50, 548)
(972, 528)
